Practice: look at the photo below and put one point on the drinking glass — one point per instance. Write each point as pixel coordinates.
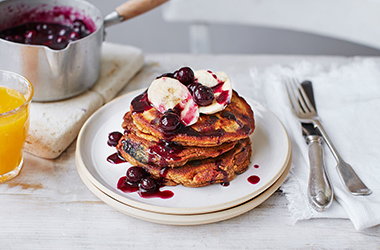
(16, 93)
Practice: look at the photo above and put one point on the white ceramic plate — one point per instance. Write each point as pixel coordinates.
(190, 219)
(271, 151)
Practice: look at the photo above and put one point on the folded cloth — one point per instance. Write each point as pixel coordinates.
(55, 125)
(348, 101)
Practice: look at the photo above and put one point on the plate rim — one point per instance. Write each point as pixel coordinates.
(170, 210)
(175, 219)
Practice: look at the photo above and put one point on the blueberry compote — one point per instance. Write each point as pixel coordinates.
(185, 75)
(113, 138)
(223, 94)
(141, 103)
(165, 151)
(54, 35)
(202, 94)
(170, 121)
(136, 178)
(116, 158)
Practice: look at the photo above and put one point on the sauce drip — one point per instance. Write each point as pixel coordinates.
(126, 187)
(115, 158)
(253, 179)
(223, 97)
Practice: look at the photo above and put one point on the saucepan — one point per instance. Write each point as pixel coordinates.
(61, 73)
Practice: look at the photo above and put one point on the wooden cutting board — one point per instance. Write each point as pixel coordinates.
(55, 125)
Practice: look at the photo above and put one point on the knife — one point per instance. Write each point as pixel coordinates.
(320, 193)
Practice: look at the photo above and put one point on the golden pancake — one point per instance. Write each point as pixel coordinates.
(233, 123)
(198, 173)
(163, 154)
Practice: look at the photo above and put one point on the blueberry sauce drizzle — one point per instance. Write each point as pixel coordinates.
(116, 158)
(215, 76)
(136, 178)
(127, 187)
(223, 96)
(165, 151)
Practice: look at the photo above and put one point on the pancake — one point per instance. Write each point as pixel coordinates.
(199, 173)
(233, 123)
(164, 154)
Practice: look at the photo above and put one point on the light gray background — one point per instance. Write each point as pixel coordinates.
(154, 35)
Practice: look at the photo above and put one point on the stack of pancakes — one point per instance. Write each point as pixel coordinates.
(213, 150)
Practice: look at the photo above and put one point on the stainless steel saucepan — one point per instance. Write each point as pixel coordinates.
(60, 74)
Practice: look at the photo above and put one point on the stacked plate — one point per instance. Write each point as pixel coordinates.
(189, 206)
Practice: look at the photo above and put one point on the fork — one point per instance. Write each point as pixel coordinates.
(304, 110)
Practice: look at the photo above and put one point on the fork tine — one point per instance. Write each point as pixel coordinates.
(296, 88)
(310, 106)
(291, 96)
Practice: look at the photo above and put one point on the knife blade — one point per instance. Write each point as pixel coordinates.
(320, 193)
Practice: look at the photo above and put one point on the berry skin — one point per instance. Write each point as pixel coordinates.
(148, 185)
(170, 121)
(203, 95)
(135, 174)
(113, 138)
(185, 75)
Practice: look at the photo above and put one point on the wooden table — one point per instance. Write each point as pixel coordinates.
(48, 206)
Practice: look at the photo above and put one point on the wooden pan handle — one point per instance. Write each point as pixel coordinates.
(134, 8)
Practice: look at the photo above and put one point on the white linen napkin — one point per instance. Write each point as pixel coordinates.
(348, 102)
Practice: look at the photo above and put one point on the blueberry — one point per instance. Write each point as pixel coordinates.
(74, 36)
(62, 40)
(203, 95)
(30, 35)
(185, 75)
(148, 185)
(113, 138)
(62, 32)
(80, 27)
(135, 174)
(169, 121)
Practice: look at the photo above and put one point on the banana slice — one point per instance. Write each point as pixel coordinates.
(221, 85)
(167, 93)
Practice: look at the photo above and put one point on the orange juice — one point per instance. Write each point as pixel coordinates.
(14, 122)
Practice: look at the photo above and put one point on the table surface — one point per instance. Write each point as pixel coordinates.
(48, 206)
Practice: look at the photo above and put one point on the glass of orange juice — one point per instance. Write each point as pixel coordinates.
(16, 93)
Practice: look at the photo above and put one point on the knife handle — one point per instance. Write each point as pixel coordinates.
(347, 174)
(319, 189)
